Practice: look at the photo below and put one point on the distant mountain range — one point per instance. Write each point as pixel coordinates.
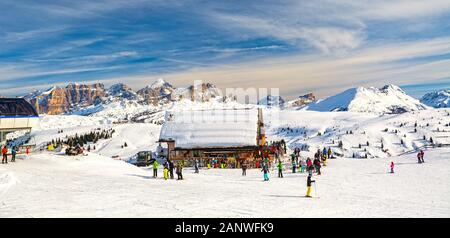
(83, 98)
(73, 97)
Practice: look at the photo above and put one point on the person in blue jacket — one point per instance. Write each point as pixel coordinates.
(13, 154)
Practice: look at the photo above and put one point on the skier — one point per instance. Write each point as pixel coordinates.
(422, 155)
(171, 169)
(166, 171)
(329, 152)
(4, 154)
(317, 166)
(309, 165)
(244, 168)
(179, 171)
(293, 156)
(302, 166)
(196, 166)
(325, 153)
(155, 169)
(392, 167)
(294, 166)
(419, 160)
(265, 169)
(308, 185)
(280, 169)
(13, 154)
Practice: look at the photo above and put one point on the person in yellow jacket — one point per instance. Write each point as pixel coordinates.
(166, 172)
(51, 147)
(155, 169)
(308, 184)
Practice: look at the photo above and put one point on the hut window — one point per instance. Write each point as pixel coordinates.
(196, 153)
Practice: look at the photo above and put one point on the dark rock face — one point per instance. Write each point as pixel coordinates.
(304, 100)
(159, 91)
(123, 91)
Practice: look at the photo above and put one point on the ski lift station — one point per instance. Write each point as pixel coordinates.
(16, 114)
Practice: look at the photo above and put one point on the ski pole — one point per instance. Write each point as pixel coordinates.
(315, 189)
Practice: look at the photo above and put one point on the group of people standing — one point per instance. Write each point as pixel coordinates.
(420, 160)
(13, 152)
(168, 170)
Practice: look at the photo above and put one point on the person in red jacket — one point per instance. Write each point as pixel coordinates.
(5, 156)
(392, 167)
(421, 156)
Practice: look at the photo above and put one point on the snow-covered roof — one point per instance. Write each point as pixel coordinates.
(220, 128)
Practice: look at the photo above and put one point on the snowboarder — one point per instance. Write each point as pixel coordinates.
(13, 154)
(244, 168)
(196, 166)
(308, 185)
(392, 167)
(294, 167)
(329, 152)
(166, 171)
(171, 167)
(155, 169)
(4, 155)
(179, 171)
(265, 169)
(280, 169)
(325, 153)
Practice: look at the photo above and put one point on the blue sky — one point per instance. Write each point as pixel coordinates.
(298, 46)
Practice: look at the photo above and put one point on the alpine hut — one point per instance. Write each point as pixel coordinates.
(228, 136)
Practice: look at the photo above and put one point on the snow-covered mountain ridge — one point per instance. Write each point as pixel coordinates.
(389, 99)
(438, 99)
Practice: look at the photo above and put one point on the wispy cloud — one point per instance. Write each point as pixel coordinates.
(376, 65)
(321, 45)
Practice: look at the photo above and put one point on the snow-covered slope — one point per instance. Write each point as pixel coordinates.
(388, 99)
(438, 99)
(52, 185)
(362, 134)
